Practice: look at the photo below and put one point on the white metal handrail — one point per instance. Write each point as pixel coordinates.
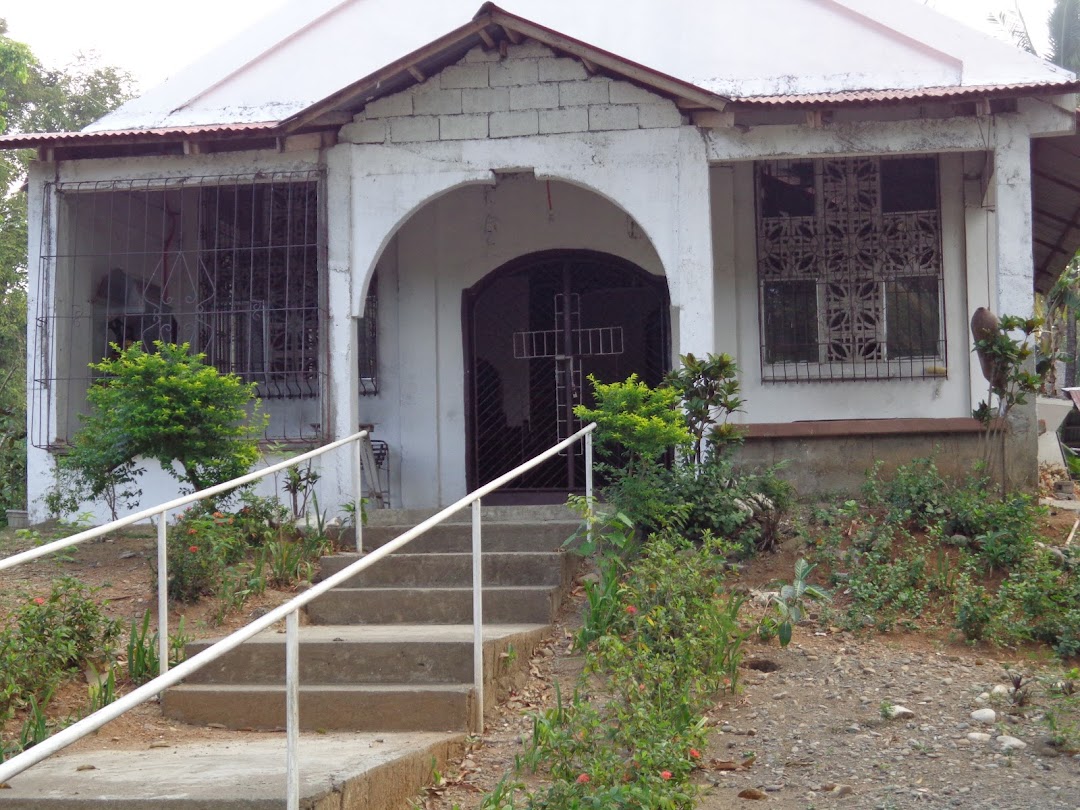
(161, 511)
(290, 612)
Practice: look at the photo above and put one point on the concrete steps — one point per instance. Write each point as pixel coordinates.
(504, 605)
(391, 649)
(457, 537)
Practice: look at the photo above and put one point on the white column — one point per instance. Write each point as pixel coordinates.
(1012, 193)
(341, 385)
(1015, 271)
(40, 406)
(695, 271)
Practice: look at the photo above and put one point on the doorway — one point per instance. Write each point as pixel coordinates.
(535, 330)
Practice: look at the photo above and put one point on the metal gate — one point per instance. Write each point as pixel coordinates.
(535, 330)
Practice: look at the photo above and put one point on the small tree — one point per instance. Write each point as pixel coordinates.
(1005, 361)
(644, 422)
(709, 390)
(166, 405)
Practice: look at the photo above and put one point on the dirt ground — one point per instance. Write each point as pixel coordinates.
(120, 570)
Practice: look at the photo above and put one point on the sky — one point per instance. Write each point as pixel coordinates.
(154, 40)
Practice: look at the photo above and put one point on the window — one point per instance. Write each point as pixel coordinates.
(849, 268)
(228, 264)
(367, 343)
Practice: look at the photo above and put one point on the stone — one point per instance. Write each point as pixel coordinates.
(1009, 744)
(978, 737)
(753, 794)
(999, 689)
(900, 713)
(987, 716)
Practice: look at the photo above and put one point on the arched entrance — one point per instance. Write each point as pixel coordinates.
(535, 329)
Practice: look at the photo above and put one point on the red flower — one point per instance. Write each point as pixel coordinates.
(218, 515)
(695, 754)
(192, 531)
(39, 600)
(665, 775)
(193, 549)
(584, 779)
(631, 610)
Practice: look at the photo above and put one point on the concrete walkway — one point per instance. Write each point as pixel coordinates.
(372, 771)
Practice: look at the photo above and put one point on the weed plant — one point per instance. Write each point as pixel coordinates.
(922, 539)
(48, 638)
(236, 555)
(632, 731)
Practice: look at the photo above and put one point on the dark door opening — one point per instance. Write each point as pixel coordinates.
(535, 329)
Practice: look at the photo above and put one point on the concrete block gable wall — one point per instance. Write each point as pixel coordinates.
(530, 91)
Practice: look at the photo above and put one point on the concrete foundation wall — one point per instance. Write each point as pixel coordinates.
(832, 465)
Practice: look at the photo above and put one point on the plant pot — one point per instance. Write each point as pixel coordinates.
(18, 519)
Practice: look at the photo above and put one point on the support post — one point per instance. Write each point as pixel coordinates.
(163, 592)
(358, 497)
(478, 620)
(292, 710)
(589, 486)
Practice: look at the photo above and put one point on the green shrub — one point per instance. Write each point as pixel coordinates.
(167, 405)
(48, 638)
(642, 422)
(974, 608)
(722, 500)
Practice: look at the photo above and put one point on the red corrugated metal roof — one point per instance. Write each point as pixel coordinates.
(30, 140)
(869, 97)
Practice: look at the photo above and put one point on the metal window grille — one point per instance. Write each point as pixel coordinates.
(849, 269)
(367, 337)
(229, 264)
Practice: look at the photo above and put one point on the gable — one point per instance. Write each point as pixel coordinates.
(309, 51)
(532, 91)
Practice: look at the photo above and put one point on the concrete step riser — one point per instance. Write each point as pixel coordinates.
(422, 606)
(458, 537)
(551, 513)
(342, 663)
(322, 709)
(455, 570)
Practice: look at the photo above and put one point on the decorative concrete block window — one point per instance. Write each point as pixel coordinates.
(849, 269)
(229, 264)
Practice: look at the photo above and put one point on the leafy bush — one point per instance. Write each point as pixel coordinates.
(630, 416)
(47, 638)
(720, 499)
(709, 393)
(166, 405)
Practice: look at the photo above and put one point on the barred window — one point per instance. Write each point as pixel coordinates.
(849, 269)
(228, 264)
(367, 341)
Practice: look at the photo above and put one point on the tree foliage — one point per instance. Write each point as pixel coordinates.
(1064, 28)
(33, 98)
